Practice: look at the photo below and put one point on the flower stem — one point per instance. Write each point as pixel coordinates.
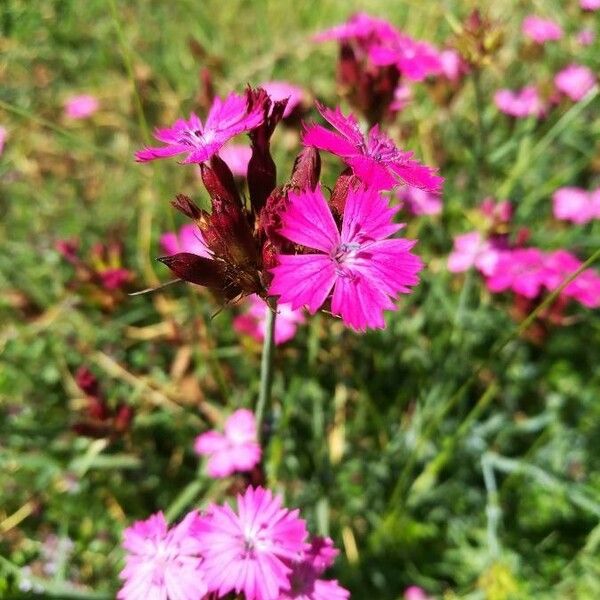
(266, 368)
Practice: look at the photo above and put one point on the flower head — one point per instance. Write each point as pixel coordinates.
(236, 449)
(586, 37)
(237, 158)
(189, 239)
(470, 249)
(576, 205)
(280, 90)
(360, 26)
(162, 562)
(575, 81)
(414, 592)
(226, 119)
(374, 158)
(81, 107)
(253, 321)
(520, 270)
(590, 5)
(420, 202)
(249, 550)
(366, 270)
(521, 103)
(541, 30)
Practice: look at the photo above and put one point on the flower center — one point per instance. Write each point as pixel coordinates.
(346, 251)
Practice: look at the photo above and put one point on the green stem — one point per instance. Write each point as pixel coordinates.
(266, 368)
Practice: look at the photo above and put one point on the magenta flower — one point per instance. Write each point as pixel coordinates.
(471, 250)
(576, 205)
(414, 592)
(189, 239)
(280, 90)
(585, 288)
(575, 81)
(374, 159)
(81, 107)
(420, 202)
(366, 270)
(521, 103)
(237, 157)
(520, 270)
(3, 136)
(586, 37)
(226, 119)
(590, 5)
(237, 449)
(496, 211)
(253, 321)
(541, 30)
(249, 550)
(305, 584)
(360, 26)
(403, 95)
(453, 67)
(162, 563)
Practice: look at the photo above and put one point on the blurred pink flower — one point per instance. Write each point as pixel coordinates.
(237, 157)
(575, 81)
(249, 550)
(280, 90)
(585, 288)
(162, 563)
(253, 322)
(586, 37)
(403, 95)
(470, 249)
(520, 270)
(235, 450)
(589, 4)
(3, 135)
(496, 211)
(523, 103)
(576, 205)
(414, 592)
(189, 239)
(321, 553)
(452, 65)
(541, 30)
(375, 159)
(226, 119)
(81, 107)
(115, 278)
(366, 270)
(358, 26)
(420, 202)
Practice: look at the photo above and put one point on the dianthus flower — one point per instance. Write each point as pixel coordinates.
(81, 107)
(280, 90)
(365, 270)
(575, 81)
(414, 592)
(590, 5)
(236, 449)
(305, 581)
(521, 103)
(420, 202)
(249, 550)
(188, 239)
(541, 30)
(253, 321)
(520, 270)
(162, 563)
(226, 119)
(375, 159)
(586, 37)
(576, 205)
(237, 157)
(470, 249)
(360, 26)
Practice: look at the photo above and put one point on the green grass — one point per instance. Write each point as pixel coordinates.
(431, 455)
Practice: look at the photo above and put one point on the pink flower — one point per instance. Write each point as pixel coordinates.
(358, 26)
(321, 553)
(452, 65)
(366, 270)
(226, 119)
(471, 250)
(115, 278)
(403, 95)
(374, 159)
(523, 103)
(496, 212)
(575, 81)
(253, 322)
(280, 90)
(162, 563)
(420, 202)
(305, 584)
(81, 107)
(3, 135)
(585, 288)
(589, 4)
(189, 239)
(520, 270)
(414, 592)
(236, 449)
(541, 30)
(576, 205)
(249, 550)
(237, 158)
(586, 37)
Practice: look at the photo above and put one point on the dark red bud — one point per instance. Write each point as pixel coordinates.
(340, 191)
(306, 170)
(86, 381)
(185, 205)
(97, 409)
(219, 182)
(123, 417)
(196, 269)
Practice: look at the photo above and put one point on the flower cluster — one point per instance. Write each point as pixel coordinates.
(520, 103)
(540, 30)
(260, 551)
(291, 241)
(576, 205)
(376, 60)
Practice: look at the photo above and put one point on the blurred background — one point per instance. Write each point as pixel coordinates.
(454, 450)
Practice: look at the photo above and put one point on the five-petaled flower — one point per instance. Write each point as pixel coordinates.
(366, 270)
(226, 119)
(374, 158)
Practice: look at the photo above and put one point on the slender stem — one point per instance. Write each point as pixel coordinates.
(266, 368)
